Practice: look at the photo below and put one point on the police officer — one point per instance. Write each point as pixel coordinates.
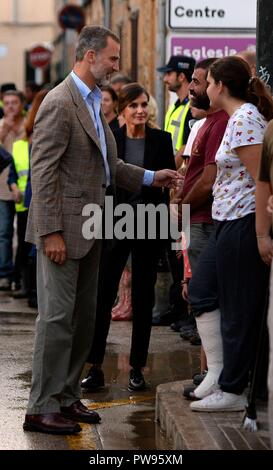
(177, 76)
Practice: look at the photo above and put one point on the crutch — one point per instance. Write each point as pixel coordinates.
(250, 418)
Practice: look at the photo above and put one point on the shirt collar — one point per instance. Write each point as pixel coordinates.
(84, 89)
(179, 103)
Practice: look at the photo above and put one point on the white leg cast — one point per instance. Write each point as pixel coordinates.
(208, 325)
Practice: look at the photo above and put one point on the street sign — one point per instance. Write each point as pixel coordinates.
(39, 56)
(223, 14)
(208, 45)
(71, 17)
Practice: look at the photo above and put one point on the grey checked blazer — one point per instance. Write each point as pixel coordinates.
(67, 169)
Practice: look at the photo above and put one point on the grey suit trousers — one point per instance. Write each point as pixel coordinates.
(67, 297)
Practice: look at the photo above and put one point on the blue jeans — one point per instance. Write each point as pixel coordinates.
(6, 235)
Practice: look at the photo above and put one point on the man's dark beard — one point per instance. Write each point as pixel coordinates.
(201, 101)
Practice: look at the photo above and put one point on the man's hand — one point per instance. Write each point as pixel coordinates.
(54, 248)
(178, 156)
(8, 123)
(270, 205)
(16, 193)
(166, 178)
(265, 248)
(185, 292)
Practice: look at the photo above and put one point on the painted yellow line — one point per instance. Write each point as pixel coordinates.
(86, 439)
(133, 400)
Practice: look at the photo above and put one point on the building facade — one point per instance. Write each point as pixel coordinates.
(22, 24)
(135, 22)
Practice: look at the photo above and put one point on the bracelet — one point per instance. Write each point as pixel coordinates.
(262, 236)
(185, 281)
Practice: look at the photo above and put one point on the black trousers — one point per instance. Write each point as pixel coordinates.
(23, 247)
(231, 275)
(145, 255)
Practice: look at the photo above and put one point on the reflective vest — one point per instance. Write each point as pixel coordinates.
(175, 123)
(20, 153)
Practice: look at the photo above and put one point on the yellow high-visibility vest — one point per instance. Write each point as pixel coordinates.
(175, 123)
(20, 153)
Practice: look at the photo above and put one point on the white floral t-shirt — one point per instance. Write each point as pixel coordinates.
(234, 188)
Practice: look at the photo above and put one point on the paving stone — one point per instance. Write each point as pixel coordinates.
(206, 431)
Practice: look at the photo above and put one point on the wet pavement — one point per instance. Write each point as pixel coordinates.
(189, 430)
(128, 419)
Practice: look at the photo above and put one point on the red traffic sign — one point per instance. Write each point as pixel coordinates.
(71, 17)
(39, 57)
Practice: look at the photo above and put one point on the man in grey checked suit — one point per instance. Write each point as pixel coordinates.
(73, 161)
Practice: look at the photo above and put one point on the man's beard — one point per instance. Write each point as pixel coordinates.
(200, 101)
(174, 87)
(99, 76)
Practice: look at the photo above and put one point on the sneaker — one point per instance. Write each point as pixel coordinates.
(164, 319)
(33, 302)
(198, 378)
(136, 381)
(94, 380)
(188, 332)
(181, 323)
(195, 339)
(188, 392)
(220, 401)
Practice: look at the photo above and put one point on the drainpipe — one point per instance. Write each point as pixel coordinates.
(14, 11)
(265, 41)
(107, 13)
(160, 60)
(64, 50)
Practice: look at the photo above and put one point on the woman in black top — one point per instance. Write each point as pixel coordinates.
(152, 149)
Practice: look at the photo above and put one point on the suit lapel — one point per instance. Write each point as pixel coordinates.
(110, 145)
(82, 111)
(87, 122)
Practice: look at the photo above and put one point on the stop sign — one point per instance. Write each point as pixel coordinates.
(39, 57)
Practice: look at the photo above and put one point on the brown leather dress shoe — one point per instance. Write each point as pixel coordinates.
(79, 412)
(50, 423)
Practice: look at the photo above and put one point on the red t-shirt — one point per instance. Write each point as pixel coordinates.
(204, 148)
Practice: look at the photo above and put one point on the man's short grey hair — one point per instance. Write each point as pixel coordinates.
(93, 37)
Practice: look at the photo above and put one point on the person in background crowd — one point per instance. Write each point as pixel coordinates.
(5, 87)
(31, 90)
(250, 58)
(177, 76)
(19, 183)
(11, 129)
(5, 158)
(199, 179)
(150, 148)
(118, 80)
(199, 117)
(264, 205)
(153, 113)
(228, 309)
(109, 107)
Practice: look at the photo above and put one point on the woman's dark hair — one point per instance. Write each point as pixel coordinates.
(235, 74)
(129, 93)
(29, 124)
(110, 91)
